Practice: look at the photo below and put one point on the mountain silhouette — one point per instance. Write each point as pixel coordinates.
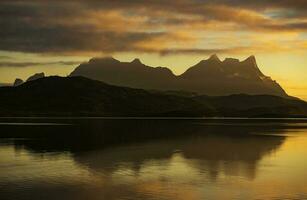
(52, 96)
(209, 77)
(80, 96)
(34, 77)
(131, 74)
(18, 82)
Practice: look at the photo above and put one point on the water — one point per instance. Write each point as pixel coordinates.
(188, 159)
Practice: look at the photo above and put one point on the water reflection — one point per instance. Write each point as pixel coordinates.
(152, 159)
(210, 154)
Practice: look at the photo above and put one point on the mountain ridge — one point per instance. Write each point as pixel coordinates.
(80, 96)
(211, 76)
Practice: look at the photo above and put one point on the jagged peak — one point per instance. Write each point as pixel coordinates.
(40, 74)
(251, 59)
(214, 57)
(164, 69)
(251, 62)
(103, 59)
(18, 79)
(136, 61)
(18, 82)
(36, 76)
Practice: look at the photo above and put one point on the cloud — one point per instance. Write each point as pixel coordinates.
(5, 57)
(202, 51)
(32, 64)
(81, 26)
(59, 39)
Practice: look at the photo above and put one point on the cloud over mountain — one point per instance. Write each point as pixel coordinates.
(158, 26)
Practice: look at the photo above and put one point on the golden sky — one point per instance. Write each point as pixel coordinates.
(54, 36)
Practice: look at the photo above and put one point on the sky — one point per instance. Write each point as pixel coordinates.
(55, 36)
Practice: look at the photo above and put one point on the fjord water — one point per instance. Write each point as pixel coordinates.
(153, 159)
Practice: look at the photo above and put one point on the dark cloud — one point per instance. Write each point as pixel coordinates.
(32, 64)
(263, 4)
(48, 26)
(287, 26)
(58, 39)
(202, 51)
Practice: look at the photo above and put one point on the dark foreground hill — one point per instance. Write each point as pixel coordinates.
(79, 96)
(82, 96)
(208, 77)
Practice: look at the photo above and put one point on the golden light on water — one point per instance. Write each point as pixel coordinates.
(267, 166)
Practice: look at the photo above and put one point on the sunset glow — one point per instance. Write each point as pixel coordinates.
(55, 36)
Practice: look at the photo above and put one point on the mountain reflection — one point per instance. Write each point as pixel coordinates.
(212, 147)
(213, 154)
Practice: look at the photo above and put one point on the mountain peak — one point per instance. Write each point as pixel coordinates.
(36, 76)
(211, 76)
(251, 59)
(103, 59)
(214, 57)
(18, 82)
(136, 61)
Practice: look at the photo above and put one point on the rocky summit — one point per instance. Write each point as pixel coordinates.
(209, 77)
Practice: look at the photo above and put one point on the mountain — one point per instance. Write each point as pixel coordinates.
(242, 105)
(215, 77)
(80, 96)
(36, 76)
(131, 74)
(17, 82)
(209, 77)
